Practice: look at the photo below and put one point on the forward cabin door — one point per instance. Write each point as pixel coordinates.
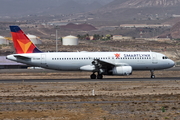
(154, 58)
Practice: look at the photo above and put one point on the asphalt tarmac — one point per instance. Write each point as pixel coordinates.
(79, 79)
(89, 80)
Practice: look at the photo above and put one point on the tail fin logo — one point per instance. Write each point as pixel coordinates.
(24, 46)
(22, 43)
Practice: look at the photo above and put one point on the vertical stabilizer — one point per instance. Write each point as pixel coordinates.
(22, 43)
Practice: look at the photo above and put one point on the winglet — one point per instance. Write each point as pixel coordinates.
(22, 43)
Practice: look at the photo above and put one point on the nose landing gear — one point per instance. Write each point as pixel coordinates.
(152, 74)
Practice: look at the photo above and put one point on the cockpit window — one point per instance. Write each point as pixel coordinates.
(164, 57)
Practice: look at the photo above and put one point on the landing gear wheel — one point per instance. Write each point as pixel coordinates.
(99, 76)
(152, 76)
(93, 76)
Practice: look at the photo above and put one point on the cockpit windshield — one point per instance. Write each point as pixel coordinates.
(164, 57)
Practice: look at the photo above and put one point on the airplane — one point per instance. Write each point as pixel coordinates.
(99, 63)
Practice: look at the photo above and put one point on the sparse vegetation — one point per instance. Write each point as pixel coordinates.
(113, 100)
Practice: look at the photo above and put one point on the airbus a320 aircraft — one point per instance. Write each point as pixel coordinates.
(102, 63)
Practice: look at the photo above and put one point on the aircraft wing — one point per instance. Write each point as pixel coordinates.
(101, 64)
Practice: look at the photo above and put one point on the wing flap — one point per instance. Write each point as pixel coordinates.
(107, 63)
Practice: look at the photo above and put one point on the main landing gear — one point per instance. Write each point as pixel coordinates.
(152, 74)
(100, 76)
(94, 76)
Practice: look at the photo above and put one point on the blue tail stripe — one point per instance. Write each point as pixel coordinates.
(14, 28)
(36, 50)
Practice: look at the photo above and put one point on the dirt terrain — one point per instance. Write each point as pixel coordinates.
(120, 100)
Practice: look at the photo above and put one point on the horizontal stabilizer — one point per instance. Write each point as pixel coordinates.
(22, 57)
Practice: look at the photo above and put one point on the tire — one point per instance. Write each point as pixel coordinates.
(100, 76)
(93, 76)
(152, 76)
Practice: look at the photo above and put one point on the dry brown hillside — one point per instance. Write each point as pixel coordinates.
(175, 31)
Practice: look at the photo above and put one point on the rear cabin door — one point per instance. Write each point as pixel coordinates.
(43, 59)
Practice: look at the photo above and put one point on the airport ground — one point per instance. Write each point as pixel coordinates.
(54, 95)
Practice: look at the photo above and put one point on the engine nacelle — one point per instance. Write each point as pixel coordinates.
(87, 68)
(122, 70)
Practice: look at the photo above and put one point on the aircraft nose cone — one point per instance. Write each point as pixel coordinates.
(171, 63)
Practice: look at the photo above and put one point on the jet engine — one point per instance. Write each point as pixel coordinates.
(122, 70)
(88, 68)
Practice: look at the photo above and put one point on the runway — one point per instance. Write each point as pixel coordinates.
(42, 92)
(90, 80)
(61, 76)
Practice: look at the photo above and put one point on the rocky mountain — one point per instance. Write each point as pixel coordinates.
(138, 9)
(142, 3)
(82, 27)
(175, 31)
(102, 2)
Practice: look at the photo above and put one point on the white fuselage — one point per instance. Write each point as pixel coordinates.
(73, 61)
